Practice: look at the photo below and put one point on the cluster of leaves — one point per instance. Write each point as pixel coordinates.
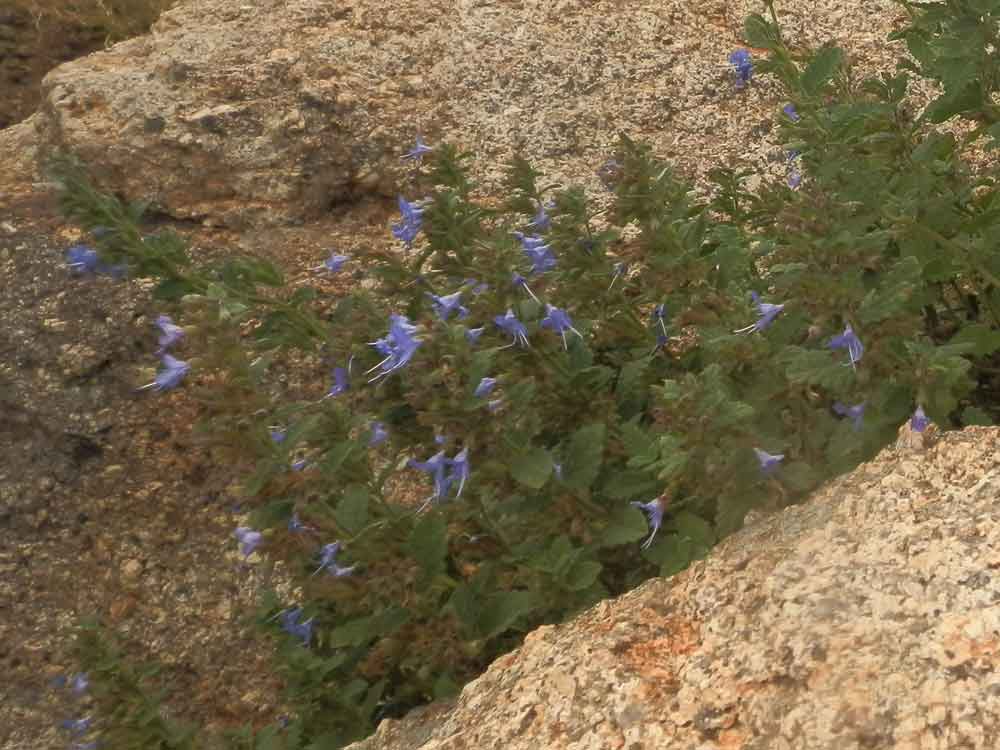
(619, 372)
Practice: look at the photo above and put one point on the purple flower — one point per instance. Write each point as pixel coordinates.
(789, 110)
(437, 467)
(379, 434)
(407, 229)
(170, 376)
(485, 386)
(328, 560)
(334, 263)
(77, 726)
(170, 334)
(459, 469)
(619, 270)
(295, 524)
(742, 66)
(79, 683)
(477, 288)
(82, 259)
(418, 150)
(445, 306)
(514, 327)
(654, 514)
(398, 346)
(919, 420)
(299, 465)
(341, 381)
(249, 540)
(768, 462)
(768, 313)
(559, 321)
(794, 179)
(519, 281)
(849, 340)
(440, 439)
(539, 254)
(856, 412)
(278, 434)
(291, 625)
(472, 334)
(542, 221)
(659, 316)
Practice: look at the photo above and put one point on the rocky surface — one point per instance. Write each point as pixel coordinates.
(277, 110)
(866, 618)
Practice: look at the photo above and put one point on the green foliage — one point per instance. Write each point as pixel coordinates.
(888, 235)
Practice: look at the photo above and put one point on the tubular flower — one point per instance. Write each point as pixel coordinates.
(514, 327)
(472, 334)
(538, 252)
(618, 271)
(485, 386)
(654, 513)
(542, 221)
(437, 467)
(790, 113)
(170, 334)
(379, 434)
(919, 420)
(856, 413)
(291, 625)
(334, 263)
(328, 561)
(768, 462)
(170, 376)
(559, 321)
(742, 66)
(341, 380)
(406, 230)
(768, 313)
(398, 346)
(446, 305)
(418, 150)
(249, 540)
(849, 340)
(519, 281)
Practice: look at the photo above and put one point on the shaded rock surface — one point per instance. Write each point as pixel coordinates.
(276, 110)
(867, 618)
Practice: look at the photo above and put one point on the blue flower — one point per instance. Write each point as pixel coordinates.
(299, 465)
(659, 316)
(398, 346)
(291, 625)
(249, 540)
(519, 281)
(379, 434)
(794, 179)
(328, 561)
(485, 386)
(278, 434)
(407, 229)
(856, 412)
(472, 334)
(79, 683)
(437, 467)
(654, 514)
(77, 726)
(445, 306)
(334, 263)
(170, 376)
(768, 313)
(341, 381)
(789, 110)
(514, 327)
(170, 334)
(919, 420)
(559, 321)
(849, 340)
(542, 221)
(295, 524)
(768, 462)
(459, 469)
(742, 66)
(418, 150)
(538, 253)
(619, 270)
(82, 259)
(440, 439)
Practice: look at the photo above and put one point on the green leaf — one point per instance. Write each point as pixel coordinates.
(760, 33)
(352, 510)
(428, 542)
(984, 339)
(956, 101)
(694, 528)
(465, 604)
(365, 629)
(500, 611)
(584, 456)
(821, 69)
(335, 457)
(172, 289)
(533, 468)
(973, 415)
(630, 483)
(582, 575)
(627, 524)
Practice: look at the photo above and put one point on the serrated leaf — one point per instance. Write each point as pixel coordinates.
(428, 543)
(627, 524)
(352, 510)
(821, 69)
(584, 456)
(533, 468)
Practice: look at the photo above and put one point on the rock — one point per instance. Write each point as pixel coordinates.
(279, 110)
(866, 618)
(131, 570)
